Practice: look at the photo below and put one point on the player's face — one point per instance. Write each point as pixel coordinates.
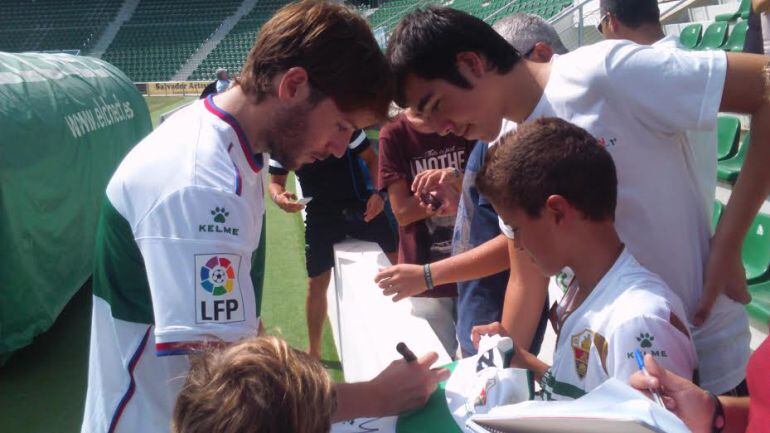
(304, 134)
(450, 109)
(535, 236)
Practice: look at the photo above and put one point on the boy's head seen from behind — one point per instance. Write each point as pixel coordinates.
(546, 180)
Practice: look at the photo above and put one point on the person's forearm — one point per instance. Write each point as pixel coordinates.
(736, 414)
(372, 165)
(752, 187)
(406, 207)
(356, 400)
(524, 298)
(277, 185)
(486, 259)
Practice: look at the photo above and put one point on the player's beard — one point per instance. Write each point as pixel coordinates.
(286, 137)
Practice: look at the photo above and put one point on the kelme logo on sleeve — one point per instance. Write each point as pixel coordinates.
(218, 295)
(219, 216)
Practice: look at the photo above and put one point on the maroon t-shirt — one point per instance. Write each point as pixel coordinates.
(404, 152)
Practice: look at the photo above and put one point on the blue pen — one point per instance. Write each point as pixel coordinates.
(640, 362)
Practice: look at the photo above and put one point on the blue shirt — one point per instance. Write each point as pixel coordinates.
(479, 302)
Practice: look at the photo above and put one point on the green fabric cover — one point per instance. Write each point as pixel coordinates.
(67, 122)
(714, 36)
(737, 37)
(756, 249)
(728, 131)
(434, 417)
(729, 169)
(690, 35)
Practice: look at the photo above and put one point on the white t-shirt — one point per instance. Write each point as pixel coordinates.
(639, 101)
(703, 145)
(630, 308)
(181, 221)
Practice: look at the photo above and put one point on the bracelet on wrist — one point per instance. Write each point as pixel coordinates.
(718, 420)
(428, 277)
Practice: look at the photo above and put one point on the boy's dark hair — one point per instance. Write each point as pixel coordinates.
(426, 43)
(336, 47)
(632, 13)
(545, 157)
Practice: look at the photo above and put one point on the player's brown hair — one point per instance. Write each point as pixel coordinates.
(260, 385)
(545, 157)
(333, 44)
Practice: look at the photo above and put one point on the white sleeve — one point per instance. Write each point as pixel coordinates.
(197, 254)
(668, 90)
(358, 139)
(670, 347)
(505, 228)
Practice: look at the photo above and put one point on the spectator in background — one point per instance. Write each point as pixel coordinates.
(639, 21)
(410, 155)
(219, 85)
(480, 300)
(342, 205)
(223, 81)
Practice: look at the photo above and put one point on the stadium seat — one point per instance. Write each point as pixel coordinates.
(743, 12)
(729, 169)
(759, 308)
(690, 35)
(737, 37)
(756, 250)
(714, 36)
(717, 213)
(728, 131)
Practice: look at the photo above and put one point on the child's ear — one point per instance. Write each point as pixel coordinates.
(557, 206)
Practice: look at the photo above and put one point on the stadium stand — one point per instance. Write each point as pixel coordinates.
(53, 24)
(232, 50)
(728, 130)
(729, 169)
(162, 34)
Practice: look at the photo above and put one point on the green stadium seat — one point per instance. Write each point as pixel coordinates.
(737, 37)
(743, 12)
(759, 308)
(714, 36)
(728, 131)
(690, 36)
(756, 250)
(717, 213)
(729, 169)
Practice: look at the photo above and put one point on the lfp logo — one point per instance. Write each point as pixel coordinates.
(218, 297)
(217, 276)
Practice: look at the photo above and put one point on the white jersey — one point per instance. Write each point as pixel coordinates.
(640, 101)
(179, 228)
(630, 308)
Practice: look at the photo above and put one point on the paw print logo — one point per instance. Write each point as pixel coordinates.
(645, 340)
(220, 214)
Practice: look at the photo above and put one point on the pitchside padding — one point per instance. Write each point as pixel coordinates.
(66, 123)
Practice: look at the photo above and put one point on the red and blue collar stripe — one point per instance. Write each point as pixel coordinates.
(254, 163)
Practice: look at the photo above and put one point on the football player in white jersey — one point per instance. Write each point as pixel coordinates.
(178, 262)
(461, 77)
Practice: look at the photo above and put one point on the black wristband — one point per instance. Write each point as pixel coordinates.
(718, 421)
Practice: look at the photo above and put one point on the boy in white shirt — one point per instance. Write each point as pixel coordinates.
(556, 186)
(457, 74)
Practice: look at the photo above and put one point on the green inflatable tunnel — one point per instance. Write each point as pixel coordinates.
(66, 123)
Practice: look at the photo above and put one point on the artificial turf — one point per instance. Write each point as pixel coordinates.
(42, 386)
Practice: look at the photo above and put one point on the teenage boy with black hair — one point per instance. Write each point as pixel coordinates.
(556, 186)
(456, 73)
